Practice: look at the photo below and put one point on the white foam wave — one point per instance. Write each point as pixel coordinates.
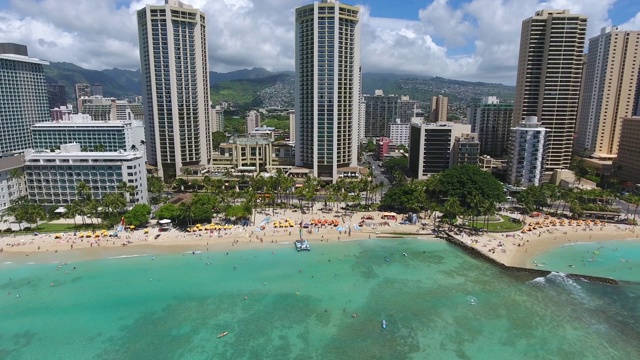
(7, 262)
(126, 256)
(193, 252)
(568, 284)
(539, 281)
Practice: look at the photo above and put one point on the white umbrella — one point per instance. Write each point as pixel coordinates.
(60, 210)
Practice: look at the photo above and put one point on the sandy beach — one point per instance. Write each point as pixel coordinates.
(137, 242)
(521, 249)
(512, 249)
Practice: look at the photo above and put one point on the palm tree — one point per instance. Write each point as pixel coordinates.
(450, 211)
(99, 148)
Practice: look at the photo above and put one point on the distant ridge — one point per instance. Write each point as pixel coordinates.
(259, 87)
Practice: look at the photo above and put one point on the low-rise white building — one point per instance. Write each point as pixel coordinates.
(399, 133)
(525, 165)
(111, 135)
(52, 177)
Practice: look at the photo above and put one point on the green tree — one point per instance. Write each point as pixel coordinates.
(138, 215)
(395, 164)
(155, 187)
(168, 211)
(217, 138)
(463, 181)
(370, 146)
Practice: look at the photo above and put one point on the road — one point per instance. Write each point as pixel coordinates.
(378, 176)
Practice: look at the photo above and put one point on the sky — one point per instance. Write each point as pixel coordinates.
(474, 40)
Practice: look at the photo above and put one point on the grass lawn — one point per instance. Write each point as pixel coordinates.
(52, 228)
(499, 226)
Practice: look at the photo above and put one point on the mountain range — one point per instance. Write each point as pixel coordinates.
(258, 87)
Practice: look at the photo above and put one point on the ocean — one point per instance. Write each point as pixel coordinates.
(617, 259)
(438, 302)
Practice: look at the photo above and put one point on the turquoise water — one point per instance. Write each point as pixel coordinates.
(617, 259)
(300, 306)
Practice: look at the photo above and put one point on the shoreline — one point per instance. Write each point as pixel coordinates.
(513, 249)
(517, 249)
(46, 248)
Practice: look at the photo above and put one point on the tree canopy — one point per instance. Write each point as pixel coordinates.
(466, 182)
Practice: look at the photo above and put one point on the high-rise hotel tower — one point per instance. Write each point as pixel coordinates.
(327, 87)
(175, 77)
(23, 97)
(610, 86)
(549, 76)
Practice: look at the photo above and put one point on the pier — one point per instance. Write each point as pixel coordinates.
(447, 236)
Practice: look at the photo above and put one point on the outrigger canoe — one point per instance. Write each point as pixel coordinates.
(223, 334)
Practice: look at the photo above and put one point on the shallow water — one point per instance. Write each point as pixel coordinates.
(300, 306)
(616, 259)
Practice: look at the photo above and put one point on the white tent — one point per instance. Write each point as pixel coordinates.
(60, 210)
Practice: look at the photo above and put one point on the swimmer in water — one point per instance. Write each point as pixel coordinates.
(246, 297)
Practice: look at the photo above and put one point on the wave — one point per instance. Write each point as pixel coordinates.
(126, 256)
(193, 252)
(7, 262)
(561, 281)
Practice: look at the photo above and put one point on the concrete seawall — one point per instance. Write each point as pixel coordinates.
(537, 272)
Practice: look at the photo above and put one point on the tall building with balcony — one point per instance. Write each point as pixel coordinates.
(218, 119)
(52, 177)
(292, 126)
(253, 121)
(110, 109)
(439, 109)
(527, 149)
(12, 181)
(327, 89)
(175, 77)
(82, 90)
(610, 87)
(97, 90)
(492, 121)
(399, 133)
(380, 111)
(629, 151)
(466, 150)
(549, 77)
(23, 97)
(57, 95)
(431, 147)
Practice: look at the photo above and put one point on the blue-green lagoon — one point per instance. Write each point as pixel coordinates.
(439, 303)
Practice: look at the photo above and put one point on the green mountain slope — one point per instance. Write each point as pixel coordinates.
(258, 87)
(70, 74)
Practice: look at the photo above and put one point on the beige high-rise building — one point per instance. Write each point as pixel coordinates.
(609, 88)
(549, 76)
(292, 126)
(175, 78)
(629, 151)
(439, 108)
(327, 89)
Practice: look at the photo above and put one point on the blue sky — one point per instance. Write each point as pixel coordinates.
(460, 39)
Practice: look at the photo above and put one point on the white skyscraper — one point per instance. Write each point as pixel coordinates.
(327, 87)
(527, 149)
(175, 74)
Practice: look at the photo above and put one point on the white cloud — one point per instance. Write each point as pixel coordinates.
(474, 40)
(632, 24)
